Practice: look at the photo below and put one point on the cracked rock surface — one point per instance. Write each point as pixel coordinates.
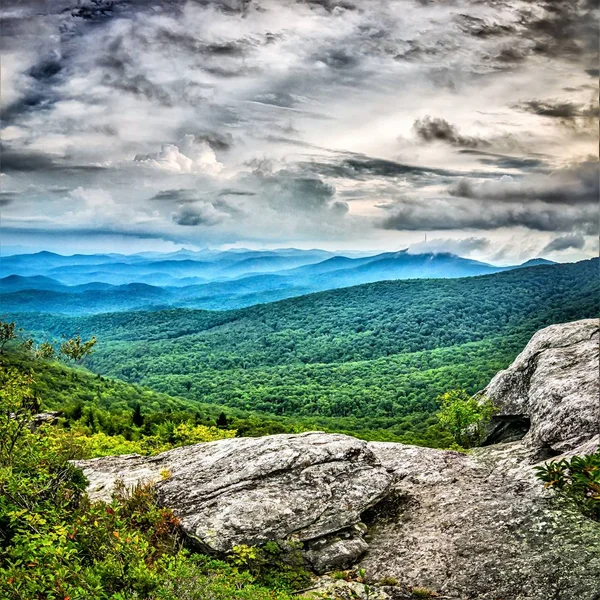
(554, 383)
(253, 490)
(476, 526)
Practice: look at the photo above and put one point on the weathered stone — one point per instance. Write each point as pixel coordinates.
(252, 490)
(480, 526)
(335, 552)
(552, 385)
(327, 587)
(44, 418)
(477, 526)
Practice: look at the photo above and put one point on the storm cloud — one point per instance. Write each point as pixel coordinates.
(576, 185)
(319, 122)
(565, 242)
(435, 129)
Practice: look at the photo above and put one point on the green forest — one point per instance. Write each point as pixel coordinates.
(394, 361)
(370, 360)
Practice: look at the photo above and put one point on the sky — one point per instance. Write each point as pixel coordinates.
(468, 126)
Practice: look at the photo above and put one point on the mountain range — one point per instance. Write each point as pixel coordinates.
(217, 280)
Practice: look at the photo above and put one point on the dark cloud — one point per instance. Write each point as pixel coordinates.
(16, 160)
(46, 69)
(565, 29)
(577, 185)
(331, 5)
(173, 39)
(434, 129)
(573, 241)
(22, 161)
(7, 198)
(120, 72)
(286, 190)
(481, 28)
(511, 54)
(442, 216)
(98, 11)
(177, 196)
(216, 140)
(550, 108)
(200, 214)
(234, 192)
(337, 58)
(363, 167)
(503, 161)
(210, 212)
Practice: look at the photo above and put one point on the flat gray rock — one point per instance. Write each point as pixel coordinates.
(253, 490)
(480, 526)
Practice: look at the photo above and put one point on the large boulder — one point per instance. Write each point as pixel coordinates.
(310, 488)
(466, 526)
(479, 526)
(550, 392)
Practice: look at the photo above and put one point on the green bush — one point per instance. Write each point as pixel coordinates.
(577, 480)
(464, 416)
(57, 545)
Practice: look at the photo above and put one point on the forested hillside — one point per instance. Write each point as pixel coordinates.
(380, 351)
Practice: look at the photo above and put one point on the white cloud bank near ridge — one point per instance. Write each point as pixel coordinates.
(339, 124)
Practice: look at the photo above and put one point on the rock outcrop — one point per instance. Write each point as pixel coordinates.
(552, 388)
(310, 488)
(467, 526)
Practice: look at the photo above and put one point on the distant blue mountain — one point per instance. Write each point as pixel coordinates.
(209, 279)
(16, 283)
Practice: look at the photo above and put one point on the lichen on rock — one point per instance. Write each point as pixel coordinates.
(467, 526)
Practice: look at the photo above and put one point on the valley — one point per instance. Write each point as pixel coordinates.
(370, 360)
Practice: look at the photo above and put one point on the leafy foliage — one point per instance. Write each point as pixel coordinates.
(577, 479)
(8, 333)
(76, 349)
(464, 416)
(56, 544)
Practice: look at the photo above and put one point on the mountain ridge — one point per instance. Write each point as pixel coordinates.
(215, 281)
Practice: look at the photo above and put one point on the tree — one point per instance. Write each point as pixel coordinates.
(137, 418)
(76, 349)
(222, 421)
(45, 351)
(464, 416)
(17, 406)
(8, 332)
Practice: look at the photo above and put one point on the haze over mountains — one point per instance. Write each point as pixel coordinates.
(86, 284)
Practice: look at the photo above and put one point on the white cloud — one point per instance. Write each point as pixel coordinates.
(461, 246)
(199, 94)
(186, 157)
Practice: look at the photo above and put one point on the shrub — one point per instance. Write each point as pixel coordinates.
(577, 480)
(464, 416)
(55, 544)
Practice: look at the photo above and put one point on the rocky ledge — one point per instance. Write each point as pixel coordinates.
(477, 526)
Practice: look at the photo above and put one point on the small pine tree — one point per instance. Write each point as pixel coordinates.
(222, 421)
(137, 418)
